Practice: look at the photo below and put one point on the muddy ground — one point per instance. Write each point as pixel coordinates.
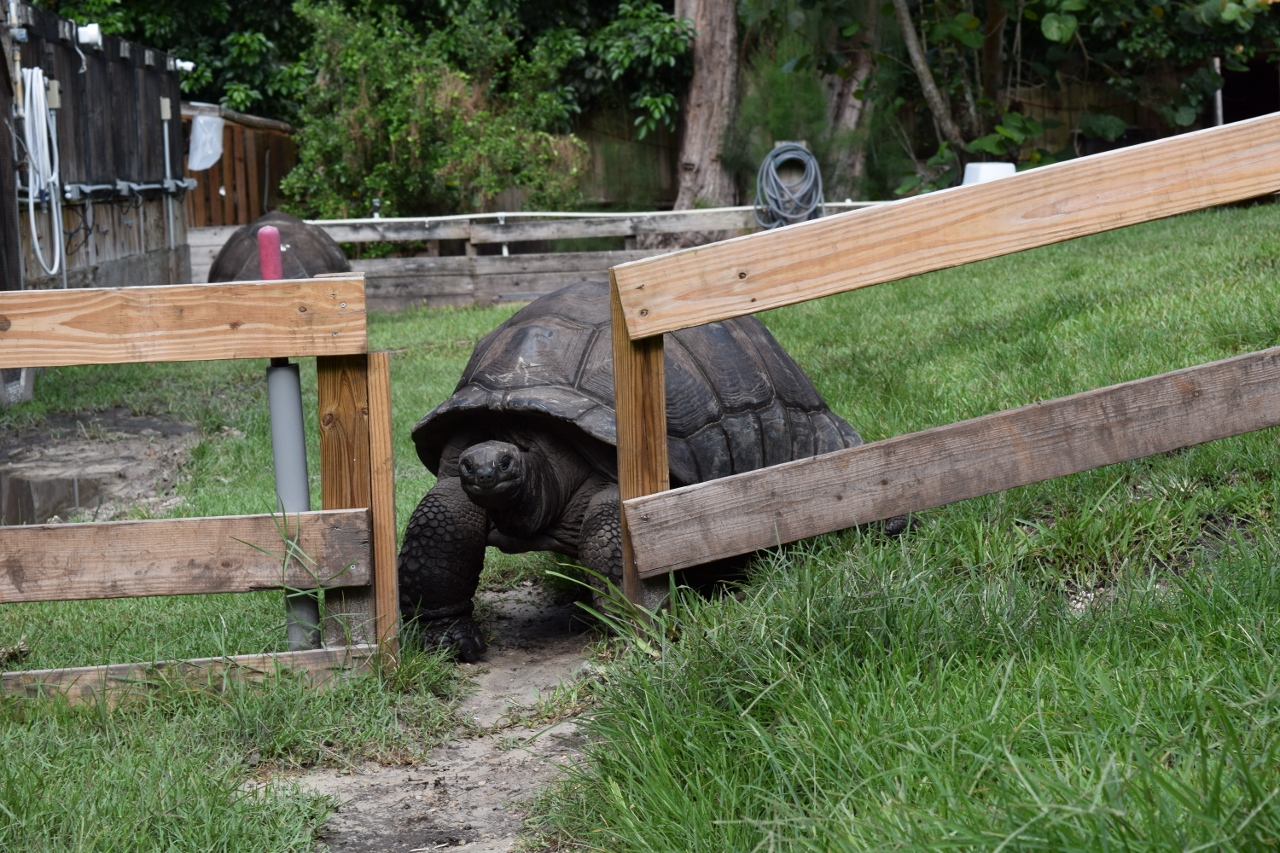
(470, 793)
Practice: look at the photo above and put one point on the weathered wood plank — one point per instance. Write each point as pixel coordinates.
(914, 472)
(952, 227)
(383, 505)
(51, 328)
(184, 556)
(396, 230)
(342, 388)
(116, 682)
(549, 262)
(638, 369)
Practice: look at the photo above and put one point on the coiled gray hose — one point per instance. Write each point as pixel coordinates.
(779, 203)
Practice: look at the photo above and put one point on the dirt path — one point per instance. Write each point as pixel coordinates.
(468, 794)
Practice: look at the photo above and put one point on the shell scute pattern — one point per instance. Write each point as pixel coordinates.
(735, 400)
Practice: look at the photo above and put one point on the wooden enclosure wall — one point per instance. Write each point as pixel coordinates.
(480, 278)
(666, 530)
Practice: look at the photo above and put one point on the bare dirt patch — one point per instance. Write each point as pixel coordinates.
(91, 467)
(469, 793)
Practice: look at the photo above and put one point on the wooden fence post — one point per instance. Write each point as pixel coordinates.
(640, 393)
(342, 385)
(383, 507)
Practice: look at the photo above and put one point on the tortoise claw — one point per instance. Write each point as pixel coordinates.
(461, 637)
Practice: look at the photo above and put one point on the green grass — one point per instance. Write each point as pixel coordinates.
(1084, 664)
(947, 688)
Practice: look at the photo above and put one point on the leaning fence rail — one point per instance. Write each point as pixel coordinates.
(352, 538)
(666, 530)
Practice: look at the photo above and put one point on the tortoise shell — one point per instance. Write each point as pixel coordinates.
(736, 401)
(305, 251)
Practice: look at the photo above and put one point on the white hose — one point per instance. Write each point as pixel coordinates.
(781, 203)
(41, 137)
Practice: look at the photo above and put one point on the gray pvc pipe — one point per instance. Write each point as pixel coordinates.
(289, 452)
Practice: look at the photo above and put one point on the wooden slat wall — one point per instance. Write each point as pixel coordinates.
(182, 323)
(245, 183)
(952, 227)
(910, 473)
(129, 559)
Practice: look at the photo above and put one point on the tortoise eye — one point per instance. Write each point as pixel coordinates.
(506, 463)
(466, 467)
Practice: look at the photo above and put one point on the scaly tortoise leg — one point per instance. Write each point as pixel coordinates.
(439, 569)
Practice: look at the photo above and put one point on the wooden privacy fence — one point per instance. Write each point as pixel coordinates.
(668, 530)
(352, 539)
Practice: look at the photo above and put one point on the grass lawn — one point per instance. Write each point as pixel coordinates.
(1087, 662)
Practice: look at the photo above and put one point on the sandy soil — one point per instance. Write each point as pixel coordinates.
(469, 793)
(91, 467)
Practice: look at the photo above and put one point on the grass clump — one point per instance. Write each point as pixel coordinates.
(859, 697)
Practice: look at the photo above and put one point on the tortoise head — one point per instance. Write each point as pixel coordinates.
(493, 474)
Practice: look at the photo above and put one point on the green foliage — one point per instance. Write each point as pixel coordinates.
(642, 41)
(441, 122)
(246, 53)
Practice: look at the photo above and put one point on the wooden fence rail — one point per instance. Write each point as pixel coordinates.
(352, 540)
(662, 532)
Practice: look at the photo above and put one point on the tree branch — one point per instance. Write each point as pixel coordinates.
(941, 112)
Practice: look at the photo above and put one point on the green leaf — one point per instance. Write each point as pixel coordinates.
(1102, 126)
(1011, 134)
(852, 29)
(1059, 28)
(992, 143)
(1184, 116)
(1072, 6)
(1030, 15)
(907, 185)
(1232, 12)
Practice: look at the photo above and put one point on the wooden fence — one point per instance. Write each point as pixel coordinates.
(477, 278)
(667, 530)
(245, 183)
(352, 538)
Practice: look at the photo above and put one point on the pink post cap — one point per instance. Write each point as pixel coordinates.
(269, 253)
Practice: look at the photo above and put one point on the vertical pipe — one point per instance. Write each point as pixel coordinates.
(289, 454)
(1217, 96)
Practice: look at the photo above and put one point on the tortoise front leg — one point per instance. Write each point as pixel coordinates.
(439, 569)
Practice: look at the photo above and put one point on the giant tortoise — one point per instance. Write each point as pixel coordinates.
(305, 251)
(524, 450)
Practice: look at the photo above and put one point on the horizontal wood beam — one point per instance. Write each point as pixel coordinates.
(508, 265)
(183, 322)
(183, 556)
(623, 226)
(952, 227)
(393, 231)
(113, 682)
(915, 472)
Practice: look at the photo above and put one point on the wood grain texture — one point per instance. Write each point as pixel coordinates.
(185, 322)
(185, 556)
(639, 387)
(914, 472)
(734, 219)
(382, 486)
(952, 227)
(116, 682)
(342, 388)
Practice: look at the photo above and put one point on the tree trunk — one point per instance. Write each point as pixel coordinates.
(709, 108)
(848, 114)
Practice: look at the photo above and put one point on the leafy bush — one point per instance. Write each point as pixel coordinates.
(434, 122)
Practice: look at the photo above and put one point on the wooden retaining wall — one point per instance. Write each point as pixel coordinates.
(664, 529)
(475, 278)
